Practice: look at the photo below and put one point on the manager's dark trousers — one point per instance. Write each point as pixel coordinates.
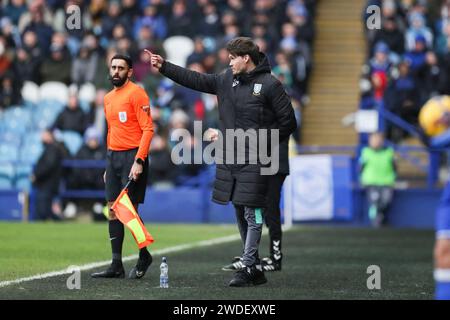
(272, 214)
(250, 223)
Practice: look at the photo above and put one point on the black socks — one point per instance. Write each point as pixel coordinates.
(143, 253)
(116, 235)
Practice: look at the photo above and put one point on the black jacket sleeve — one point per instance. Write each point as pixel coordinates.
(191, 79)
(282, 107)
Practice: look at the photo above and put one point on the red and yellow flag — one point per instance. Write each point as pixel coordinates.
(125, 212)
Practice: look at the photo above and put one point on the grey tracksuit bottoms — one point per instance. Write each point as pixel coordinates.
(250, 224)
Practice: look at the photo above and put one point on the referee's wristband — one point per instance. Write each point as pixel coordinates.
(139, 161)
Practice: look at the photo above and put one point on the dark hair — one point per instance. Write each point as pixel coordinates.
(243, 45)
(123, 57)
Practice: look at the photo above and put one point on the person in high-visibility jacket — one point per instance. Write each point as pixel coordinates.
(378, 175)
(130, 131)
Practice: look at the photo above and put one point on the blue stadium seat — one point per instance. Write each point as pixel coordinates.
(85, 106)
(45, 114)
(30, 153)
(72, 140)
(9, 152)
(22, 177)
(53, 105)
(32, 137)
(16, 120)
(43, 121)
(16, 127)
(6, 175)
(9, 137)
(18, 112)
(5, 183)
(23, 184)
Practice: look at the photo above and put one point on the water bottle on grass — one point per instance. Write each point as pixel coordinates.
(164, 277)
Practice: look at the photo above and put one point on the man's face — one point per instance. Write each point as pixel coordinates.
(119, 72)
(238, 64)
(381, 57)
(376, 141)
(92, 144)
(420, 46)
(47, 137)
(73, 102)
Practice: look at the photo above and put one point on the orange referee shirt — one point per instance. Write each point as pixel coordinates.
(130, 125)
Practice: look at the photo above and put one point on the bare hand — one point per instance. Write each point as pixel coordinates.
(212, 134)
(135, 171)
(155, 60)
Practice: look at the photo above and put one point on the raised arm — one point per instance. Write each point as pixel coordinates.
(194, 80)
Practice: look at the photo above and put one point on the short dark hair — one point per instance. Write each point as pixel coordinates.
(243, 45)
(123, 57)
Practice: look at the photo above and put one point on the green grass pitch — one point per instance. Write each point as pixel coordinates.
(319, 263)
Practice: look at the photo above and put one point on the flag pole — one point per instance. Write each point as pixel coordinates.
(128, 183)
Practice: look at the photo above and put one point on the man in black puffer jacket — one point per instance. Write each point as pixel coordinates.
(249, 98)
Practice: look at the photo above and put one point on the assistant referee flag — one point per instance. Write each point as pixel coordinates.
(125, 212)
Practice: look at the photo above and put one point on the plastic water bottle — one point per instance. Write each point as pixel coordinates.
(164, 277)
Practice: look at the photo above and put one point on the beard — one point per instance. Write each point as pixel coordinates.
(118, 82)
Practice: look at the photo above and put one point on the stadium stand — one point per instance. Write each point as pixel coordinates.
(6, 173)
(406, 64)
(338, 54)
(42, 62)
(319, 70)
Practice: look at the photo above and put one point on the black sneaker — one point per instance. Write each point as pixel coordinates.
(269, 264)
(236, 265)
(141, 267)
(111, 272)
(248, 276)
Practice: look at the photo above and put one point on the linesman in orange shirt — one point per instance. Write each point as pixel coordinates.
(130, 131)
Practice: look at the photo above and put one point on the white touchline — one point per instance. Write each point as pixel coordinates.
(94, 265)
(89, 266)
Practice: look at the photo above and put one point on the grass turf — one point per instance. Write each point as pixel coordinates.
(29, 249)
(319, 263)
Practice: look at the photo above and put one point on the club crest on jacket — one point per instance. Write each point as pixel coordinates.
(257, 89)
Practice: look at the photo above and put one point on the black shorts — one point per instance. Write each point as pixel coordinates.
(118, 166)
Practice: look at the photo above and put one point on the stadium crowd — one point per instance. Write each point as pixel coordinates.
(408, 58)
(38, 46)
